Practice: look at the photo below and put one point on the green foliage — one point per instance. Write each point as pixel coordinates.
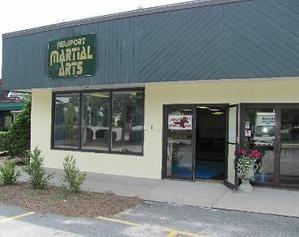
(8, 173)
(73, 178)
(244, 164)
(248, 159)
(3, 141)
(18, 138)
(34, 168)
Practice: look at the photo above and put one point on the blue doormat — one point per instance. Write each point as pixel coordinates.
(203, 170)
(209, 169)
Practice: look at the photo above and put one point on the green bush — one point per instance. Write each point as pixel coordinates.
(8, 173)
(34, 168)
(18, 138)
(3, 141)
(73, 178)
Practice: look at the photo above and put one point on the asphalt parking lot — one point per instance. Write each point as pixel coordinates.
(148, 219)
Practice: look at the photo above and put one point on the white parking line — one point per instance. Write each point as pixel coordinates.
(171, 232)
(12, 218)
(117, 221)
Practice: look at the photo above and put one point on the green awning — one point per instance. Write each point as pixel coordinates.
(11, 106)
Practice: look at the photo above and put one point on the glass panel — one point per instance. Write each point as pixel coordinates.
(66, 124)
(259, 128)
(289, 157)
(179, 143)
(232, 144)
(95, 121)
(127, 121)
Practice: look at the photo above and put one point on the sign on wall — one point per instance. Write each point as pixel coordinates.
(180, 122)
(72, 57)
(265, 119)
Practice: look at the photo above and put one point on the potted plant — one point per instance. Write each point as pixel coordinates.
(247, 158)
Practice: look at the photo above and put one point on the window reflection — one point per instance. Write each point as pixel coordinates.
(66, 129)
(264, 132)
(127, 121)
(179, 143)
(95, 120)
(259, 131)
(108, 123)
(289, 157)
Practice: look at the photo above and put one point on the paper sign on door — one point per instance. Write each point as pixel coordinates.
(180, 122)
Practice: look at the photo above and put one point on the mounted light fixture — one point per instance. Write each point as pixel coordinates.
(218, 113)
(203, 107)
(214, 110)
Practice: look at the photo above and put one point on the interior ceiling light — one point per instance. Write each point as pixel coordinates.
(203, 107)
(214, 110)
(218, 113)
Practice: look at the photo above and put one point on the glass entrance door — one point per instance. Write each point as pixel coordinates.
(180, 142)
(259, 130)
(289, 147)
(274, 128)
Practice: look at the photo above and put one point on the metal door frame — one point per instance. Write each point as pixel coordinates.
(277, 143)
(236, 143)
(166, 108)
(194, 128)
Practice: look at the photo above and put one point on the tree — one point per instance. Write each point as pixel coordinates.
(127, 109)
(18, 138)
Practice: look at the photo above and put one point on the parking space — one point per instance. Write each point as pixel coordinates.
(15, 221)
(148, 219)
(52, 225)
(8, 213)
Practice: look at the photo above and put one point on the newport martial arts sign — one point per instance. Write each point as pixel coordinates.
(72, 57)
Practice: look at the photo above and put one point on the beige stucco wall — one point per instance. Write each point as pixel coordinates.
(156, 94)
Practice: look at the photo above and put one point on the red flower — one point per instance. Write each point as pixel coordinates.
(243, 152)
(256, 154)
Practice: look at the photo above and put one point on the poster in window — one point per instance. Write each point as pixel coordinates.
(180, 122)
(247, 133)
(247, 125)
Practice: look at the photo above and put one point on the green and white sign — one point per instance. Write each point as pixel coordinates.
(72, 57)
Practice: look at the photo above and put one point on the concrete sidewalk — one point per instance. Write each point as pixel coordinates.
(200, 193)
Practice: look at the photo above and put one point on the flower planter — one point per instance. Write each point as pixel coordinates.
(245, 186)
(246, 165)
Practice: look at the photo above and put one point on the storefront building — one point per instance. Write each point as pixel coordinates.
(168, 92)
(11, 104)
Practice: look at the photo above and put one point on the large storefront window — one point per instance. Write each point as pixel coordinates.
(95, 120)
(66, 121)
(127, 121)
(274, 128)
(111, 121)
(259, 131)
